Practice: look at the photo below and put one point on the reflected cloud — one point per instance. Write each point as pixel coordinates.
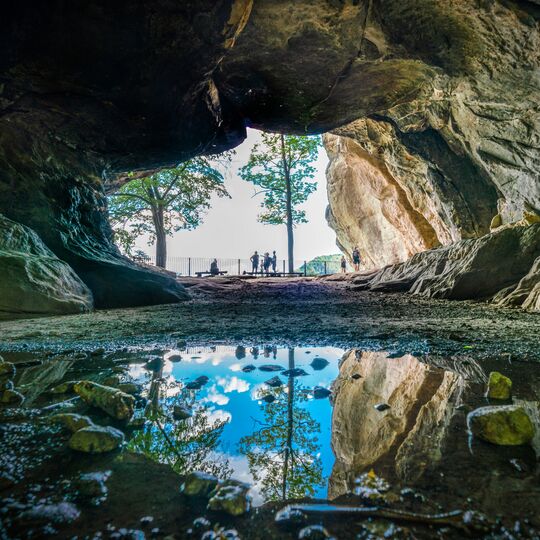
(233, 384)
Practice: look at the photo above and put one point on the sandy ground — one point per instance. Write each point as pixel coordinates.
(302, 311)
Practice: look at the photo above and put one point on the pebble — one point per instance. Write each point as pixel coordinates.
(175, 358)
(319, 363)
(271, 367)
(295, 372)
(319, 392)
(274, 382)
(248, 368)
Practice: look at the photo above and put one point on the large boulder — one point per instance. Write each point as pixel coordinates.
(34, 281)
(96, 439)
(114, 402)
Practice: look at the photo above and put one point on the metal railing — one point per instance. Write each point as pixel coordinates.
(190, 266)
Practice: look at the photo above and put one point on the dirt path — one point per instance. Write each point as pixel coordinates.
(296, 311)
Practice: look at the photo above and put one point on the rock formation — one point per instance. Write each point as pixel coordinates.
(439, 100)
(401, 442)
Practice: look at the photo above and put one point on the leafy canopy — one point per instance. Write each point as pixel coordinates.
(181, 195)
(270, 163)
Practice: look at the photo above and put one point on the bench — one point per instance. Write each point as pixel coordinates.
(274, 274)
(201, 274)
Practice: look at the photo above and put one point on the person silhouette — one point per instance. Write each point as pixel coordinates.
(254, 262)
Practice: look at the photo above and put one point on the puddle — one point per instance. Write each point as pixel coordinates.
(331, 417)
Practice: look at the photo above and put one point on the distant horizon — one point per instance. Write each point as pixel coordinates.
(230, 228)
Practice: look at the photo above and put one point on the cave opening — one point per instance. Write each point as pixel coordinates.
(298, 401)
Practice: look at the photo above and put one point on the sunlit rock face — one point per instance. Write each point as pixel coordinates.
(91, 92)
(460, 155)
(401, 442)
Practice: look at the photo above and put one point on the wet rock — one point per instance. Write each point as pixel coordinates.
(221, 534)
(313, 532)
(7, 369)
(114, 402)
(199, 484)
(92, 485)
(499, 386)
(319, 392)
(175, 358)
(507, 425)
(130, 388)
(63, 388)
(381, 407)
(100, 351)
(181, 411)
(319, 363)
(6, 384)
(198, 383)
(295, 372)
(240, 352)
(111, 380)
(269, 398)
(230, 497)
(11, 397)
(290, 517)
(96, 439)
(274, 382)
(146, 521)
(249, 368)
(72, 421)
(271, 367)
(58, 514)
(201, 524)
(155, 363)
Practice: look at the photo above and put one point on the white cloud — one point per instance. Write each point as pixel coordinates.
(233, 384)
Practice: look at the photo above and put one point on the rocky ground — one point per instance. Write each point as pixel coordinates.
(298, 311)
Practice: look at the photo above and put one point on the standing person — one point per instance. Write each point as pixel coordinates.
(254, 262)
(343, 264)
(267, 262)
(356, 258)
(274, 262)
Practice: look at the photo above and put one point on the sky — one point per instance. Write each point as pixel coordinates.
(230, 228)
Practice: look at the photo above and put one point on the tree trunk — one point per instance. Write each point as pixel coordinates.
(290, 427)
(289, 214)
(161, 236)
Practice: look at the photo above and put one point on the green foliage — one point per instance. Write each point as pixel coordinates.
(167, 201)
(316, 266)
(268, 167)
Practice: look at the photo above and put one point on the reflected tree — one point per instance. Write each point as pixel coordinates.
(282, 454)
(186, 445)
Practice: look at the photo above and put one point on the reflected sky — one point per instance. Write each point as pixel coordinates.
(234, 396)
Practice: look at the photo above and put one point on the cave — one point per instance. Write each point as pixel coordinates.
(430, 115)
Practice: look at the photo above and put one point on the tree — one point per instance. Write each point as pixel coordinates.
(165, 202)
(282, 455)
(282, 166)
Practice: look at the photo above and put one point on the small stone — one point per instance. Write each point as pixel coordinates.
(519, 465)
(271, 367)
(92, 485)
(198, 484)
(248, 368)
(100, 351)
(181, 411)
(313, 532)
(72, 421)
(146, 521)
(130, 388)
(63, 388)
(290, 517)
(274, 382)
(155, 363)
(114, 402)
(230, 497)
(175, 358)
(499, 386)
(295, 372)
(319, 392)
(506, 425)
(198, 383)
(319, 363)
(96, 439)
(11, 397)
(7, 369)
(201, 524)
(381, 407)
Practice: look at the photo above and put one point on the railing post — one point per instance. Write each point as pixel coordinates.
(283, 265)
(305, 268)
(325, 271)
(238, 266)
(189, 267)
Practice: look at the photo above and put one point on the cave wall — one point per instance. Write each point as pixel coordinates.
(436, 103)
(460, 157)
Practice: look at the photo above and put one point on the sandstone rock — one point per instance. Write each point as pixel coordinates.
(96, 439)
(230, 497)
(499, 386)
(198, 484)
(34, 281)
(111, 400)
(507, 425)
(72, 421)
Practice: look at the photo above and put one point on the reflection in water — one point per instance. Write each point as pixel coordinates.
(186, 445)
(283, 455)
(404, 439)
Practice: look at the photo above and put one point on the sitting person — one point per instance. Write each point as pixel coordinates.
(214, 270)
